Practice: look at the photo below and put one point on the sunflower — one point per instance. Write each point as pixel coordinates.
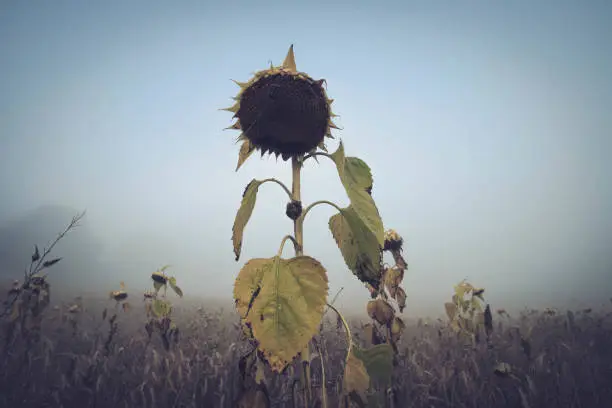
(159, 277)
(283, 112)
(119, 295)
(393, 240)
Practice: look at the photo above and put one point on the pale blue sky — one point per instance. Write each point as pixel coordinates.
(486, 123)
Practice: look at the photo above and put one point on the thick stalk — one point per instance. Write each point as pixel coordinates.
(298, 233)
(296, 195)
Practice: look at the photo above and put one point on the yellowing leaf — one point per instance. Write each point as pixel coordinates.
(380, 310)
(248, 284)
(244, 213)
(475, 304)
(356, 377)
(245, 151)
(462, 289)
(358, 245)
(354, 176)
(175, 288)
(393, 277)
(161, 308)
(397, 328)
(283, 302)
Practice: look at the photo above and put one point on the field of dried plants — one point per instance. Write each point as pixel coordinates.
(83, 356)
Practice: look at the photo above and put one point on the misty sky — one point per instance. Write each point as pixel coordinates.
(486, 124)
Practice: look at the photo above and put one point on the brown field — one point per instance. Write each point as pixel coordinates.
(563, 362)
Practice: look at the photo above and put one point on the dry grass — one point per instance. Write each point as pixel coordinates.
(556, 361)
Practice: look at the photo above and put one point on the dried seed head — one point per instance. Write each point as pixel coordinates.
(159, 277)
(283, 111)
(118, 295)
(393, 241)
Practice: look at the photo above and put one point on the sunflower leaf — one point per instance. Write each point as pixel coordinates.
(249, 197)
(356, 178)
(357, 244)
(282, 300)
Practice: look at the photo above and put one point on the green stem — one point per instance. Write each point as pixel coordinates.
(311, 206)
(334, 299)
(296, 195)
(280, 183)
(312, 155)
(282, 244)
(337, 294)
(347, 330)
(298, 233)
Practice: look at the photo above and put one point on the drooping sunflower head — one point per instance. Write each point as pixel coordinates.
(159, 277)
(282, 111)
(393, 241)
(118, 295)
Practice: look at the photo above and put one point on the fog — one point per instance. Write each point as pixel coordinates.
(487, 128)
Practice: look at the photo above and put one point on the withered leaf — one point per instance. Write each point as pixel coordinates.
(52, 262)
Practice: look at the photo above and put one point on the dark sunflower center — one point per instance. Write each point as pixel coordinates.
(284, 114)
